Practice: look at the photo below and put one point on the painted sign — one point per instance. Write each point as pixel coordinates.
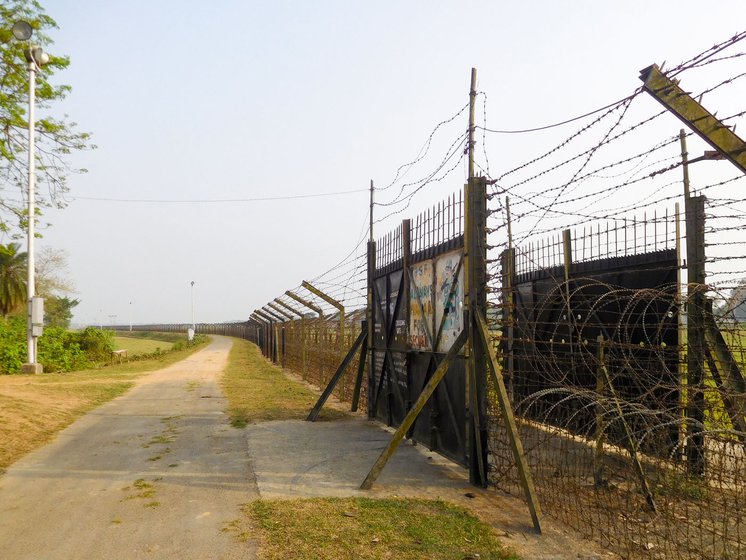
(421, 305)
(449, 299)
(434, 300)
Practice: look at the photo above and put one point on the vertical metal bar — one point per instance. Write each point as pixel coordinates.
(695, 249)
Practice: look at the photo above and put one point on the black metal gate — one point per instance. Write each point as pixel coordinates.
(418, 304)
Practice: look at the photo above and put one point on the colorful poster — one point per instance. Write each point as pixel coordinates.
(421, 299)
(449, 300)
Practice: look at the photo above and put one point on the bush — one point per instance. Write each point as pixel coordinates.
(97, 344)
(12, 344)
(59, 350)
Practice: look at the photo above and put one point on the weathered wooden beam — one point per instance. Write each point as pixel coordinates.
(290, 308)
(305, 302)
(417, 407)
(275, 316)
(264, 315)
(692, 114)
(314, 414)
(280, 312)
(334, 303)
(524, 472)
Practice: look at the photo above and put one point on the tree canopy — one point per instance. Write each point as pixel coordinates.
(56, 137)
(12, 278)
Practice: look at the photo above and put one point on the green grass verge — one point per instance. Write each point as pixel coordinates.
(258, 391)
(171, 337)
(363, 528)
(135, 346)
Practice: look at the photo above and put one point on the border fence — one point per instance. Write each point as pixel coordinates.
(571, 330)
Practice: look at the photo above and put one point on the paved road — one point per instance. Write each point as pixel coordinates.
(157, 473)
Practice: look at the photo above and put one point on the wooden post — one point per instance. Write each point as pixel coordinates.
(417, 407)
(598, 457)
(695, 251)
(371, 329)
(314, 414)
(331, 301)
(472, 109)
(524, 473)
(475, 304)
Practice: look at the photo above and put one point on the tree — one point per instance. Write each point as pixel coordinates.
(54, 285)
(56, 138)
(12, 278)
(58, 311)
(736, 303)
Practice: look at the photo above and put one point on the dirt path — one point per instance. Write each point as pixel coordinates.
(156, 473)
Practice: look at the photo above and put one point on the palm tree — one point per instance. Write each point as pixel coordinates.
(12, 278)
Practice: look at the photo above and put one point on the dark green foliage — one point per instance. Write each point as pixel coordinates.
(97, 344)
(59, 349)
(12, 278)
(58, 311)
(12, 344)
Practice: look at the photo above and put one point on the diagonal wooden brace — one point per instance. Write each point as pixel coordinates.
(414, 411)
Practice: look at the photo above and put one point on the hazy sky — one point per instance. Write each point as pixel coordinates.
(239, 100)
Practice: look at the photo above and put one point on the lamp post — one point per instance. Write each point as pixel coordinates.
(194, 326)
(36, 58)
(193, 329)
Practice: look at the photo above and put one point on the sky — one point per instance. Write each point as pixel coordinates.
(192, 104)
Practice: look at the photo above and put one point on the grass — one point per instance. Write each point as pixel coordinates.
(34, 408)
(334, 528)
(171, 337)
(135, 346)
(258, 391)
(367, 529)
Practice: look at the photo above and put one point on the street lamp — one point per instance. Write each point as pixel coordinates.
(36, 58)
(190, 332)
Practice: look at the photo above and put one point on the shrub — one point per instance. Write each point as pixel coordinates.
(12, 344)
(59, 350)
(97, 344)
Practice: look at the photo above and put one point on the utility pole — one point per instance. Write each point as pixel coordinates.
(472, 107)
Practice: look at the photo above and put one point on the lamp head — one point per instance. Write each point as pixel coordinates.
(22, 30)
(37, 56)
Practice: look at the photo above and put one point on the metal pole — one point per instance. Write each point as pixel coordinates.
(370, 238)
(31, 276)
(472, 104)
(685, 162)
(194, 327)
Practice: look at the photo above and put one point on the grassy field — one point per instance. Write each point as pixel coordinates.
(135, 346)
(331, 528)
(34, 408)
(258, 391)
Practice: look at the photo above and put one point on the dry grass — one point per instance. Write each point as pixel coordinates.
(258, 391)
(367, 529)
(34, 408)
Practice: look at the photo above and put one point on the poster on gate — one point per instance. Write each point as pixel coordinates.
(449, 299)
(421, 300)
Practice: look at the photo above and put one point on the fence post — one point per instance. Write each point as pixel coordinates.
(333, 302)
(695, 256)
(302, 345)
(303, 326)
(371, 329)
(475, 304)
